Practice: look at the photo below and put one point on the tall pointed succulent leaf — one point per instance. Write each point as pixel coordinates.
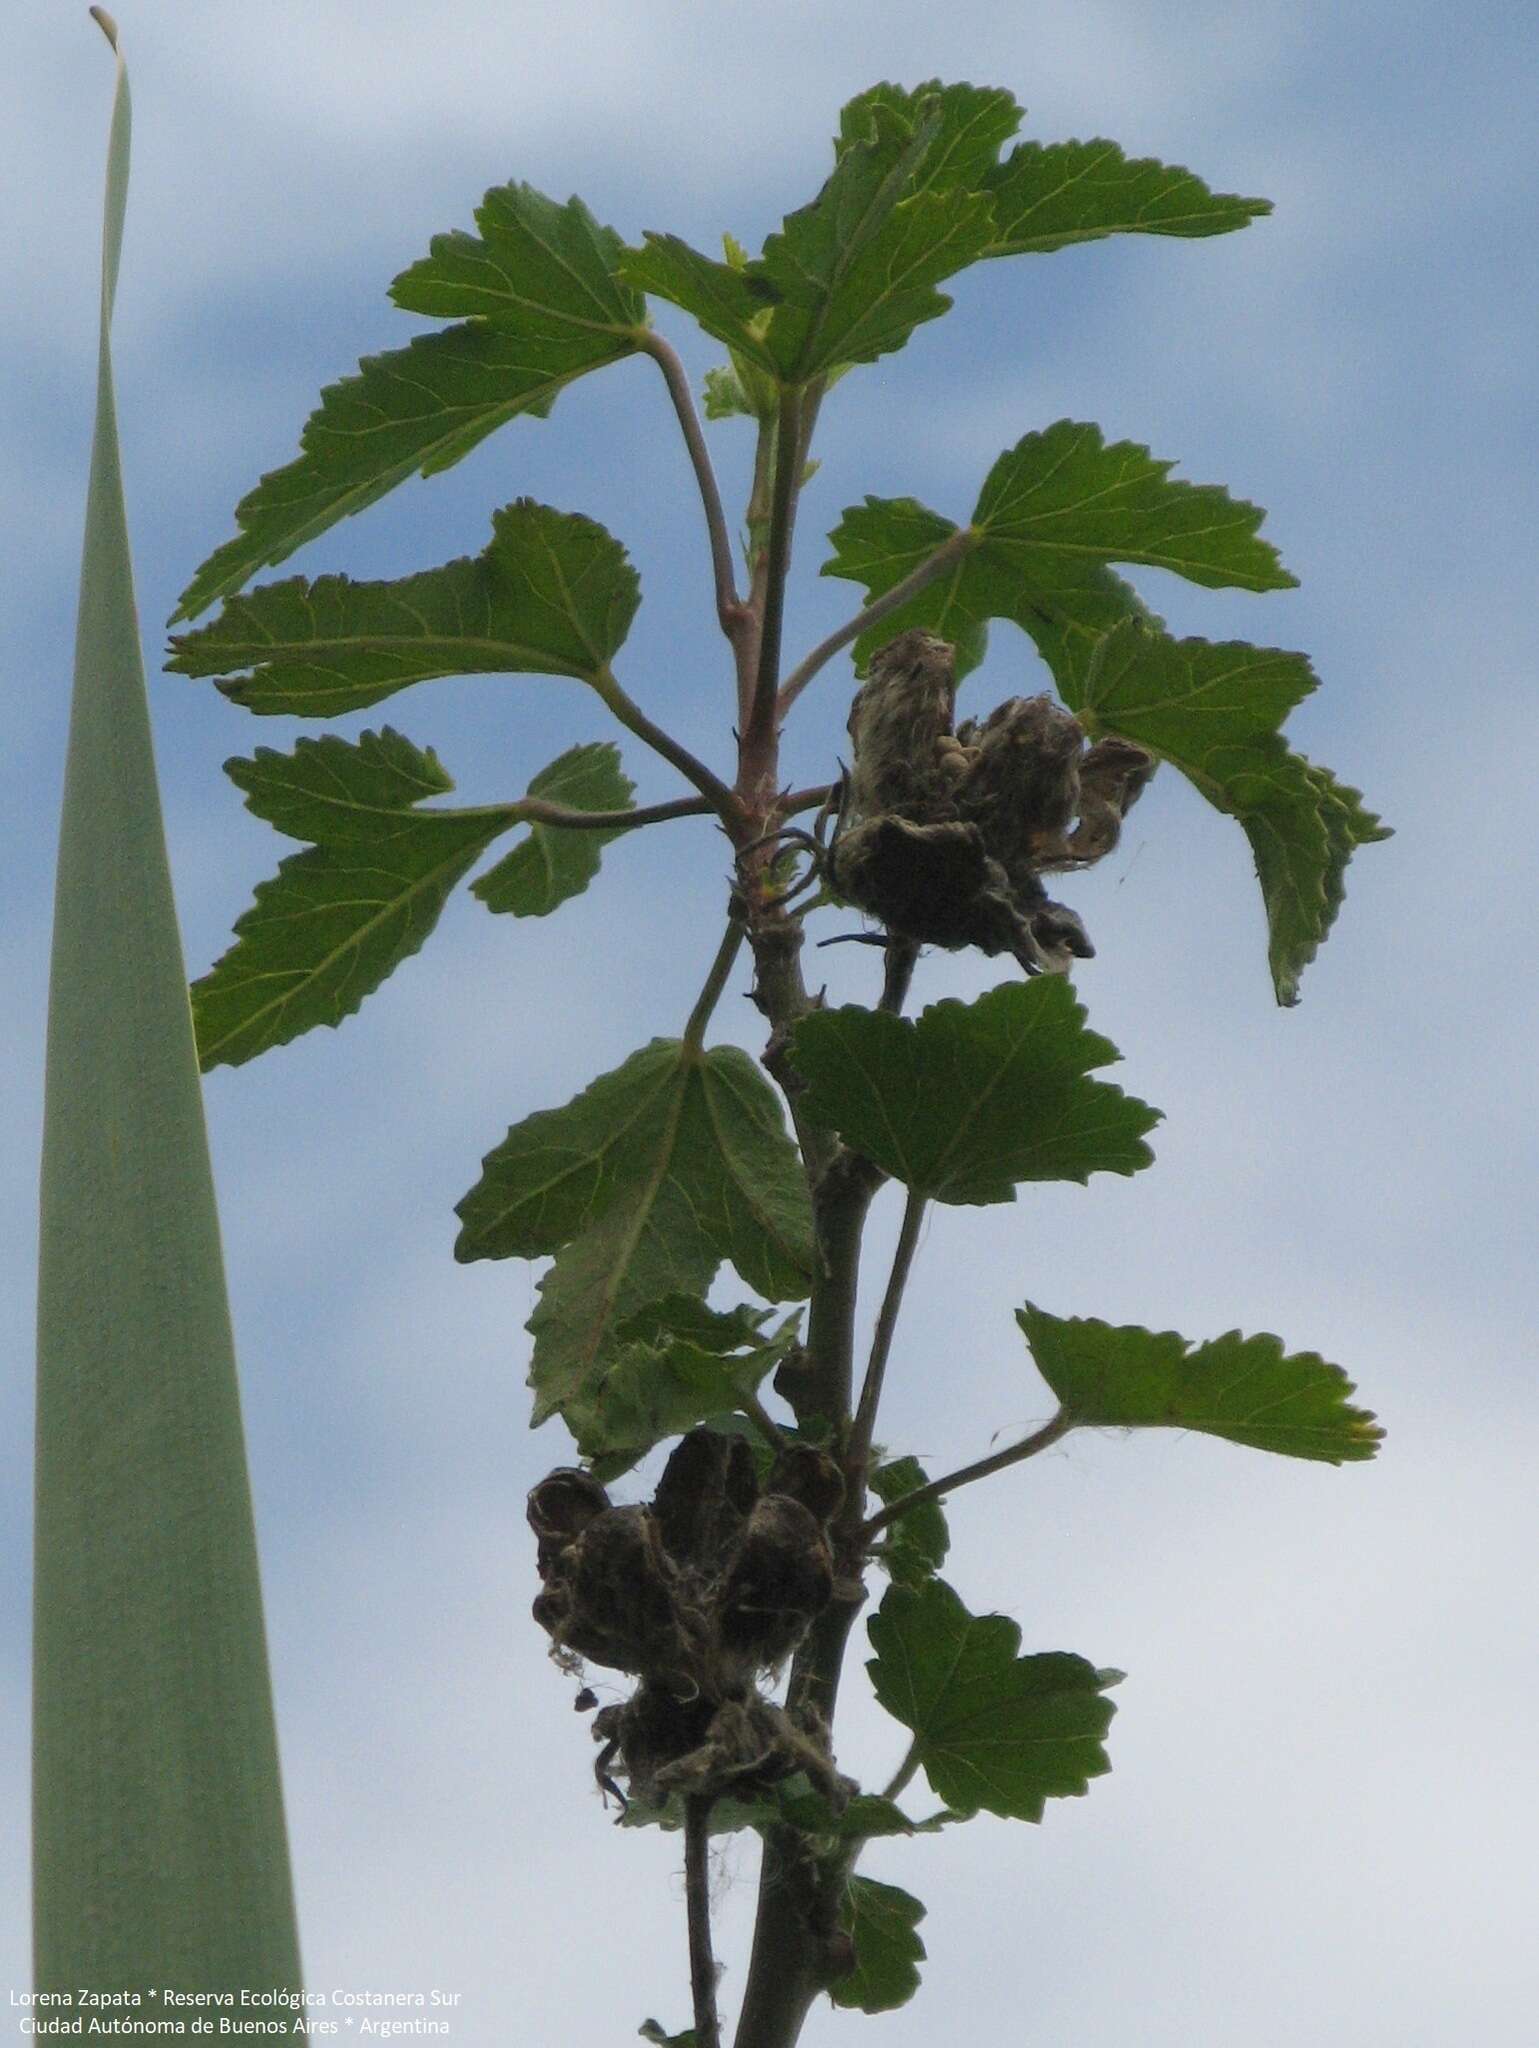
(1245, 1389)
(552, 594)
(548, 307)
(159, 1852)
(971, 1098)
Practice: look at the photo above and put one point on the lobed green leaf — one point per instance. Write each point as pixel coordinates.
(727, 300)
(992, 1729)
(335, 791)
(552, 594)
(659, 1387)
(549, 308)
(855, 271)
(973, 1097)
(1212, 709)
(914, 1547)
(880, 1920)
(1245, 1389)
(1054, 512)
(971, 124)
(1047, 195)
(641, 1186)
(553, 864)
(537, 268)
(336, 920)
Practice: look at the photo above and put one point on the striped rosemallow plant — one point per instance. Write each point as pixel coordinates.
(727, 1598)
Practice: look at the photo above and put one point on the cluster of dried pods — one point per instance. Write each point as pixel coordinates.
(943, 834)
(945, 831)
(697, 1594)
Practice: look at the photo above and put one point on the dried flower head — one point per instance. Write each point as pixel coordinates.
(944, 834)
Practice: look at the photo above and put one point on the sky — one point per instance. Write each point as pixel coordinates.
(1319, 1821)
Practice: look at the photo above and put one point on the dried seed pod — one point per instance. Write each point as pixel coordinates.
(609, 1596)
(781, 1578)
(1112, 777)
(561, 1507)
(1022, 784)
(809, 1475)
(900, 718)
(705, 1496)
(936, 884)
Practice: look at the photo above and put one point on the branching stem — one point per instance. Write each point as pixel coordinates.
(697, 1894)
(534, 810)
(886, 1323)
(1040, 1440)
(904, 1772)
(950, 551)
(730, 609)
(630, 714)
(759, 733)
(715, 982)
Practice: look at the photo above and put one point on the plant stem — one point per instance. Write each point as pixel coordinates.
(534, 810)
(904, 1772)
(950, 551)
(886, 1323)
(697, 1893)
(715, 982)
(1048, 1434)
(902, 954)
(630, 714)
(763, 1421)
(758, 735)
(730, 609)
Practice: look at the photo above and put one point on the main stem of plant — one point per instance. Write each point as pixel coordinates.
(798, 1900)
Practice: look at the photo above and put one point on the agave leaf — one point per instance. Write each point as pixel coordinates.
(159, 1850)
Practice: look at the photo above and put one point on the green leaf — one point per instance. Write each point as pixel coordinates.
(661, 1385)
(537, 268)
(336, 920)
(1245, 1389)
(971, 125)
(881, 1920)
(1053, 513)
(548, 275)
(974, 1097)
(992, 1729)
(1066, 492)
(855, 272)
(552, 594)
(914, 1547)
(865, 1817)
(159, 1852)
(556, 863)
(1047, 195)
(726, 300)
(334, 791)
(641, 1186)
(650, 2030)
(1212, 709)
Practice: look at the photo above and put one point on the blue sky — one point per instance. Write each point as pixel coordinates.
(1319, 1823)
